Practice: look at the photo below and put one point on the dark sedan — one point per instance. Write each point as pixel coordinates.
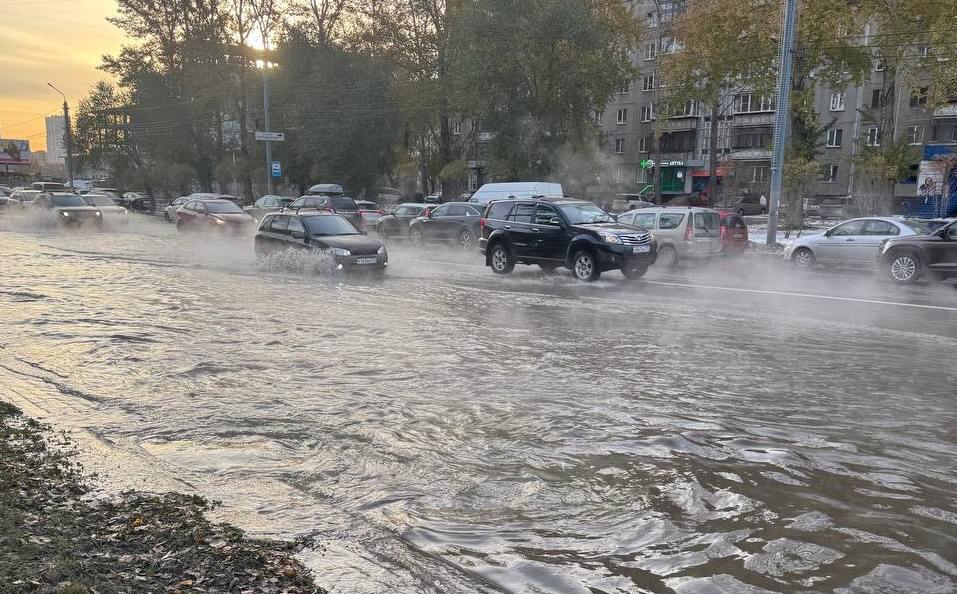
(909, 257)
(213, 215)
(397, 222)
(452, 222)
(331, 234)
(69, 209)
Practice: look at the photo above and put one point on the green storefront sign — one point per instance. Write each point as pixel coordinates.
(672, 174)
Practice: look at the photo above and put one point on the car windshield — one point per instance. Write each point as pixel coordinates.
(580, 213)
(224, 207)
(68, 201)
(98, 200)
(329, 225)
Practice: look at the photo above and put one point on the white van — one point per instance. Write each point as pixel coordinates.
(503, 191)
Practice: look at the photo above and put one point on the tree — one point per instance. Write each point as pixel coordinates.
(535, 72)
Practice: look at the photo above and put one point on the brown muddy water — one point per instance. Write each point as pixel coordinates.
(447, 430)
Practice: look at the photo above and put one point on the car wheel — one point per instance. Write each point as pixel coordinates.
(585, 266)
(415, 237)
(501, 259)
(466, 240)
(548, 268)
(634, 273)
(668, 256)
(904, 267)
(803, 258)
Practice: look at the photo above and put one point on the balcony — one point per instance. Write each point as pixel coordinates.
(946, 111)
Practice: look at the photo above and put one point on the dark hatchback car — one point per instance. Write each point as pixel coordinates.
(575, 234)
(213, 215)
(69, 209)
(910, 257)
(397, 222)
(330, 233)
(456, 222)
(137, 201)
(339, 204)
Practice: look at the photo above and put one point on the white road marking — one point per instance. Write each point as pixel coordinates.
(806, 295)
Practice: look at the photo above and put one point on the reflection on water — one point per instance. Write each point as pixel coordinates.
(546, 439)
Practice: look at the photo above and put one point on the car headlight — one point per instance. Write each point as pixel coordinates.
(381, 250)
(339, 252)
(98, 213)
(64, 213)
(220, 221)
(123, 211)
(611, 238)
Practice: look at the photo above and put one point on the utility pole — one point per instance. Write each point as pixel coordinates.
(781, 116)
(267, 124)
(68, 137)
(656, 131)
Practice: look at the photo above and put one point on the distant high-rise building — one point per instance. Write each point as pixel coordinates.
(56, 130)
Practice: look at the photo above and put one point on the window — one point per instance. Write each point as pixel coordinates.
(472, 211)
(279, 224)
(643, 144)
(623, 116)
(455, 210)
(879, 64)
(652, 18)
(545, 214)
(922, 51)
(752, 137)
(523, 213)
(876, 100)
(651, 51)
(645, 221)
(760, 173)
(599, 117)
(742, 103)
(441, 211)
(830, 174)
(624, 89)
(838, 101)
(669, 220)
(835, 137)
(647, 113)
(874, 227)
(918, 97)
(456, 128)
(749, 103)
(295, 226)
(953, 134)
(873, 136)
(619, 146)
(915, 135)
(678, 142)
(499, 210)
(848, 228)
(648, 83)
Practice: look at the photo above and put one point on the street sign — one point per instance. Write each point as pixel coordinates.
(270, 136)
(276, 169)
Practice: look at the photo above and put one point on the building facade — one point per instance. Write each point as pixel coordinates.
(56, 131)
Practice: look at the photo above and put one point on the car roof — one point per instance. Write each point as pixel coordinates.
(212, 200)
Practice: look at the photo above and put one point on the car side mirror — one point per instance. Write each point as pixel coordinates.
(828, 233)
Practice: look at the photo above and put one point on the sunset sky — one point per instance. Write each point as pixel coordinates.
(58, 41)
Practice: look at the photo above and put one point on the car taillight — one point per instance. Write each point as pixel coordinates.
(482, 223)
(689, 232)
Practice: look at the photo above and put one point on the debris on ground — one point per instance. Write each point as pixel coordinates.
(56, 538)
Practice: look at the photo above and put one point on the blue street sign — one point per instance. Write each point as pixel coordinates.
(276, 169)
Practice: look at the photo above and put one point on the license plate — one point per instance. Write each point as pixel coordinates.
(641, 249)
(366, 260)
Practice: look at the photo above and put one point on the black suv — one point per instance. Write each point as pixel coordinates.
(570, 233)
(909, 257)
(330, 233)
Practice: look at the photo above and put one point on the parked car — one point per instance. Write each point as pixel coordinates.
(112, 212)
(169, 213)
(369, 212)
(47, 187)
(25, 197)
(571, 233)
(505, 191)
(911, 257)
(68, 209)
(397, 222)
(215, 196)
(267, 204)
(213, 215)
(734, 233)
(837, 208)
(331, 233)
(330, 203)
(744, 205)
(111, 193)
(433, 199)
(856, 241)
(683, 233)
(137, 201)
(456, 222)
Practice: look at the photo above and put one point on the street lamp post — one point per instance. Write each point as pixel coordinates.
(267, 124)
(69, 136)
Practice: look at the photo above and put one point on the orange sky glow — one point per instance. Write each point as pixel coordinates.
(58, 41)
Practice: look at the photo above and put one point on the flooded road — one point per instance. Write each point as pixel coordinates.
(447, 430)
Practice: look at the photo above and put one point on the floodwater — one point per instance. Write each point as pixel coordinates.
(447, 430)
